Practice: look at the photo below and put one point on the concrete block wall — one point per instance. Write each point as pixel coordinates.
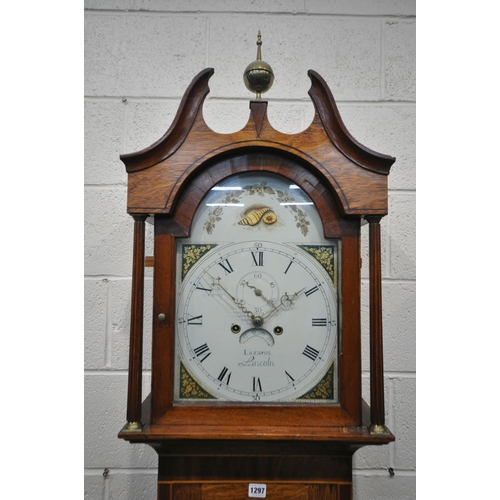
(140, 56)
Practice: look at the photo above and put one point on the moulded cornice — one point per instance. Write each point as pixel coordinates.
(179, 129)
(157, 174)
(337, 132)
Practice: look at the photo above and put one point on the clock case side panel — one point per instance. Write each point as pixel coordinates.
(168, 228)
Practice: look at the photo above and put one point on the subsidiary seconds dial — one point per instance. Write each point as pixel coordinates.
(257, 321)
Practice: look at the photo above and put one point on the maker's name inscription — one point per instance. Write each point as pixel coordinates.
(253, 360)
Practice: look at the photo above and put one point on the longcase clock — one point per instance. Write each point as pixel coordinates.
(256, 357)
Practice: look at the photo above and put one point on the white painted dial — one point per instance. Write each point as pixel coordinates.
(257, 321)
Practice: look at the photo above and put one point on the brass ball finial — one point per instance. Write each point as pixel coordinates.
(258, 75)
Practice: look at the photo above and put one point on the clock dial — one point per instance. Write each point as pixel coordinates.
(257, 316)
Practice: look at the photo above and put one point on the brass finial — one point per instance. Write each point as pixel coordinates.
(259, 45)
(258, 75)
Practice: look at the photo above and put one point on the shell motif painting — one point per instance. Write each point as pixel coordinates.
(256, 215)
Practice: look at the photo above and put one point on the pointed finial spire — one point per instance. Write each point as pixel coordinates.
(258, 75)
(259, 45)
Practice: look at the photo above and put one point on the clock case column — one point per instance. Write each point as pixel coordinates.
(200, 446)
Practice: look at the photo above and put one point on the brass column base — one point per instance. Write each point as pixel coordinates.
(133, 427)
(378, 429)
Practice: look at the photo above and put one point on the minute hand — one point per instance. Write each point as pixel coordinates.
(244, 309)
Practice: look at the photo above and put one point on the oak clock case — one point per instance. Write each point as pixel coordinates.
(256, 341)
(257, 316)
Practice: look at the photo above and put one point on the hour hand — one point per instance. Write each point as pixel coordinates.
(286, 302)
